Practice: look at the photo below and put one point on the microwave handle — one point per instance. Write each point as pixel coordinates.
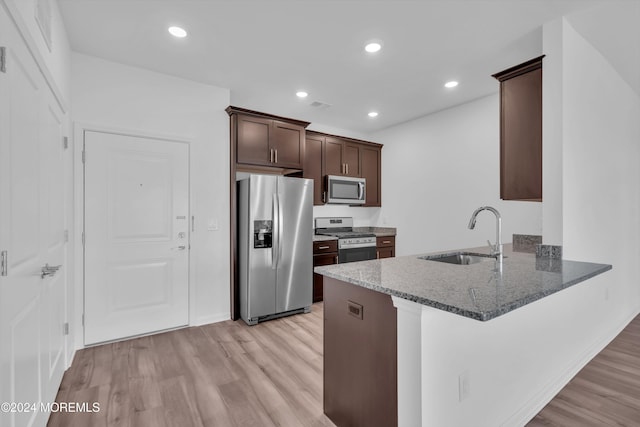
(360, 190)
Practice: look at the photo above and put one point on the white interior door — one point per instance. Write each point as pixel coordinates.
(136, 235)
(32, 306)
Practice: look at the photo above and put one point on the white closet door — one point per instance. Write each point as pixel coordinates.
(32, 306)
(136, 235)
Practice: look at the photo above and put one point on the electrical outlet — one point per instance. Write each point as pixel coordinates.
(464, 386)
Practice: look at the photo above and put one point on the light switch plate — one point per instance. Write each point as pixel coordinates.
(212, 225)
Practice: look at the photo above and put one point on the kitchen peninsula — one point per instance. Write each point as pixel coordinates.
(475, 343)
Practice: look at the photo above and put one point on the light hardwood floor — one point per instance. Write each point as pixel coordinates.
(229, 374)
(223, 374)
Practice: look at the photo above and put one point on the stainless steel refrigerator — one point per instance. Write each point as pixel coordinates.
(275, 249)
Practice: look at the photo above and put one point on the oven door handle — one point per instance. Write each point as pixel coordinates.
(361, 191)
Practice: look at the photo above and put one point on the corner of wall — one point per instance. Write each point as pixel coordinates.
(552, 132)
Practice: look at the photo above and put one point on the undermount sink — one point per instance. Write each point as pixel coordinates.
(459, 258)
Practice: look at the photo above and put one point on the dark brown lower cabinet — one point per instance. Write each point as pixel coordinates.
(325, 252)
(386, 247)
(360, 356)
(318, 260)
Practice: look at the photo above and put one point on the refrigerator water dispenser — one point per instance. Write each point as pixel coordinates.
(262, 234)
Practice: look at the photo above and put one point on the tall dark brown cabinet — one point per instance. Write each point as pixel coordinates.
(521, 131)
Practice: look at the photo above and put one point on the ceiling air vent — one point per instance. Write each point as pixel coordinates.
(320, 105)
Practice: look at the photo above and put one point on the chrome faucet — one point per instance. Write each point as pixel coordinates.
(496, 250)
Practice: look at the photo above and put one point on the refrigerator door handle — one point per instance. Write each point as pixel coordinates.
(280, 228)
(275, 245)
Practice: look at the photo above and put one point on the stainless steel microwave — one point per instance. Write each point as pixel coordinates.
(345, 190)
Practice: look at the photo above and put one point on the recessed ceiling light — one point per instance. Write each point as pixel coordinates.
(373, 114)
(451, 84)
(302, 94)
(373, 47)
(177, 32)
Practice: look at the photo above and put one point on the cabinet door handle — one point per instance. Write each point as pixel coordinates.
(386, 241)
(271, 155)
(323, 247)
(337, 261)
(276, 150)
(377, 254)
(347, 165)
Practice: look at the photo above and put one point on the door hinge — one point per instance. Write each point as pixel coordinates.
(65, 142)
(65, 328)
(66, 236)
(84, 156)
(3, 59)
(4, 267)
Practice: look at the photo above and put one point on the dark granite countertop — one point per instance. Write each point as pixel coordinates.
(477, 291)
(378, 231)
(322, 238)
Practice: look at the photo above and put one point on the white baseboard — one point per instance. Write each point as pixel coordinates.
(535, 405)
(214, 318)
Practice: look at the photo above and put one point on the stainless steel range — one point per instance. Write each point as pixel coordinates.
(352, 245)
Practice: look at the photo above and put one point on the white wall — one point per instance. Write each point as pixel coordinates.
(601, 170)
(552, 128)
(112, 95)
(438, 169)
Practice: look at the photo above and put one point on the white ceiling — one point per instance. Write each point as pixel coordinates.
(264, 51)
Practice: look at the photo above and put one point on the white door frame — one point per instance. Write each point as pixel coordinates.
(78, 167)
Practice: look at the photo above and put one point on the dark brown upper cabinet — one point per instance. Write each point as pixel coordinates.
(370, 167)
(342, 157)
(334, 155)
(313, 164)
(352, 159)
(267, 140)
(521, 131)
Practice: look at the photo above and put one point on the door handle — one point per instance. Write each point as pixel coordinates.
(280, 228)
(180, 248)
(49, 270)
(4, 264)
(276, 230)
